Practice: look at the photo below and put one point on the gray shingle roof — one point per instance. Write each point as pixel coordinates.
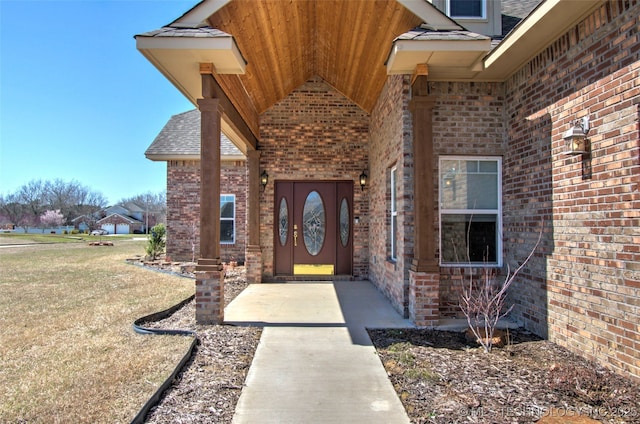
(180, 137)
(513, 11)
(202, 32)
(427, 34)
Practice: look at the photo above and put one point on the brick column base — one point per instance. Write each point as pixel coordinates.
(253, 263)
(424, 298)
(209, 292)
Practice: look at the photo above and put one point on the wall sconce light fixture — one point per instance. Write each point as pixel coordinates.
(449, 182)
(264, 179)
(576, 137)
(363, 180)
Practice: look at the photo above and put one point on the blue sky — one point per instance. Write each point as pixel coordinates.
(77, 100)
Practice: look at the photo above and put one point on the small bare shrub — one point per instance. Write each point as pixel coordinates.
(193, 238)
(482, 300)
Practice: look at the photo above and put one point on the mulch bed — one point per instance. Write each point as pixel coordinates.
(208, 388)
(438, 376)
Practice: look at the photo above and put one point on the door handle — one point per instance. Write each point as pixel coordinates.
(295, 235)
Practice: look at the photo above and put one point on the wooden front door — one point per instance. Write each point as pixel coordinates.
(313, 232)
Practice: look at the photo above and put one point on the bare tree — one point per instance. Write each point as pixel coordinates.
(31, 195)
(24, 207)
(29, 202)
(154, 205)
(72, 198)
(12, 209)
(60, 195)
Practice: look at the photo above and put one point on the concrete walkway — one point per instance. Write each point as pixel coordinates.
(315, 362)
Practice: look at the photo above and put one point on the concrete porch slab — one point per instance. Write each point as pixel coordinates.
(315, 362)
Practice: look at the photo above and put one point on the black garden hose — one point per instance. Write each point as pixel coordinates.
(138, 327)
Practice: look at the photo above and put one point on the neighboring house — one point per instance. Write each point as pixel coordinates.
(116, 223)
(127, 218)
(467, 131)
(178, 144)
(84, 223)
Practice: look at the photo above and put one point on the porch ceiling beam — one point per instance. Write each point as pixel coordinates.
(422, 69)
(234, 126)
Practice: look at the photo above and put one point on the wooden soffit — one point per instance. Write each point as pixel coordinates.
(286, 43)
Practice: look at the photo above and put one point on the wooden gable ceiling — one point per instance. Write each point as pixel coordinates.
(286, 42)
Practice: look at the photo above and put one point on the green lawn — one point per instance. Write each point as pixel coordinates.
(67, 349)
(18, 238)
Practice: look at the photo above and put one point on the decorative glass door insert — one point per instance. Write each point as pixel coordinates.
(313, 223)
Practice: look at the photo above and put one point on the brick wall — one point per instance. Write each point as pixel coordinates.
(583, 287)
(391, 144)
(183, 209)
(234, 181)
(468, 120)
(315, 133)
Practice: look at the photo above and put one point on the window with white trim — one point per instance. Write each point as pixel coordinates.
(227, 218)
(393, 209)
(467, 9)
(470, 211)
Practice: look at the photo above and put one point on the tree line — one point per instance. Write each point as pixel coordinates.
(58, 202)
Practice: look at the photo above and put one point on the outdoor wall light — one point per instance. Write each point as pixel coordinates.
(264, 179)
(363, 180)
(576, 137)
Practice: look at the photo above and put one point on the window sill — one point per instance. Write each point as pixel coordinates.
(391, 264)
(471, 265)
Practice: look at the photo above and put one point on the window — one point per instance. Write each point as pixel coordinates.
(393, 254)
(467, 9)
(470, 211)
(227, 219)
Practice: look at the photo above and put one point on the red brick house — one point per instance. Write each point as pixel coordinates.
(127, 218)
(178, 144)
(463, 127)
(116, 223)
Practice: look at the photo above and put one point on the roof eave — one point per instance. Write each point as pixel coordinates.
(405, 55)
(179, 59)
(198, 15)
(164, 157)
(168, 157)
(544, 24)
(222, 52)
